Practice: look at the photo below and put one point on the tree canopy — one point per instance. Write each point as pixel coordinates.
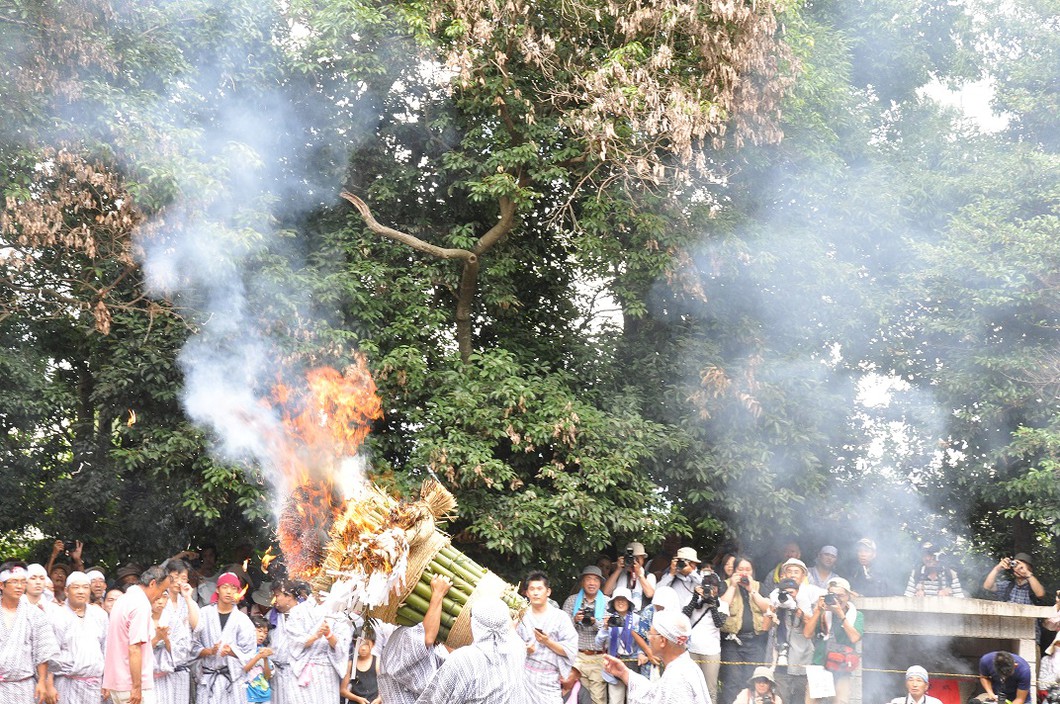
(620, 270)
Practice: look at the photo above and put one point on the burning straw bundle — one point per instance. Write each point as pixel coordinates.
(381, 555)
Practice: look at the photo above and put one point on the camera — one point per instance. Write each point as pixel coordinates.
(629, 555)
(69, 545)
(681, 564)
(831, 599)
(745, 582)
(766, 698)
(587, 615)
(784, 596)
(615, 620)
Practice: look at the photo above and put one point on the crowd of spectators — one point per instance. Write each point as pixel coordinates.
(194, 630)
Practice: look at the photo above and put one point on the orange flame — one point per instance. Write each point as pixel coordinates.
(132, 418)
(266, 560)
(323, 423)
(243, 592)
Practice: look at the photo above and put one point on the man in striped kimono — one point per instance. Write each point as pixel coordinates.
(27, 642)
(551, 642)
(284, 599)
(317, 646)
(82, 632)
(410, 657)
(171, 644)
(490, 670)
(225, 641)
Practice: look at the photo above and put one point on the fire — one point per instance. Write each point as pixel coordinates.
(266, 560)
(132, 418)
(324, 422)
(243, 592)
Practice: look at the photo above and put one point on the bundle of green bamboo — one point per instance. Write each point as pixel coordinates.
(470, 581)
(389, 551)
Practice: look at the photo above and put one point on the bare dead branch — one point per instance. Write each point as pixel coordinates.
(405, 238)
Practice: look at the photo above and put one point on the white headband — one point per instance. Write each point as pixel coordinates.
(673, 626)
(96, 574)
(14, 572)
(77, 578)
(36, 570)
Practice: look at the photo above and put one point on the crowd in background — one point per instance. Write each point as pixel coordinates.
(231, 634)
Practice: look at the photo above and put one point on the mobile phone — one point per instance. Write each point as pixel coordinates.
(543, 633)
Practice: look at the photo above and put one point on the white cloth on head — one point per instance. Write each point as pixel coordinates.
(682, 682)
(665, 598)
(672, 625)
(36, 570)
(407, 665)
(77, 577)
(490, 670)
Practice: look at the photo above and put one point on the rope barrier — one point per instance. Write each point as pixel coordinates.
(698, 659)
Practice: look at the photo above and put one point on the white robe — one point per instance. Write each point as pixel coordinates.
(682, 682)
(223, 680)
(544, 667)
(172, 676)
(82, 644)
(316, 670)
(29, 642)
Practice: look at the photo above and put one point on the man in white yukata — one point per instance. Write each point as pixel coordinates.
(225, 641)
(97, 582)
(410, 657)
(27, 642)
(181, 616)
(682, 681)
(317, 647)
(490, 670)
(551, 642)
(82, 632)
(284, 599)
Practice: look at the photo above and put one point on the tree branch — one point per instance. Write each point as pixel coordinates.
(499, 230)
(405, 238)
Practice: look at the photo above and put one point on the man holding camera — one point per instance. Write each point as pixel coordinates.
(790, 649)
(1005, 677)
(837, 626)
(746, 630)
(587, 608)
(629, 572)
(683, 576)
(707, 615)
(1013, 580)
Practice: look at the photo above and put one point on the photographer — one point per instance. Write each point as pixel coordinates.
(761, 689)
(629, 572)
(707, 614)
(837, 627)
(619, 637)
(792, 651)
(683, 575)
(1005, 677)
(587, 608)
(745, 630)
(1013, 580)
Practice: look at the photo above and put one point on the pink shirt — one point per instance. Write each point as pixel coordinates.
(130, 624)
